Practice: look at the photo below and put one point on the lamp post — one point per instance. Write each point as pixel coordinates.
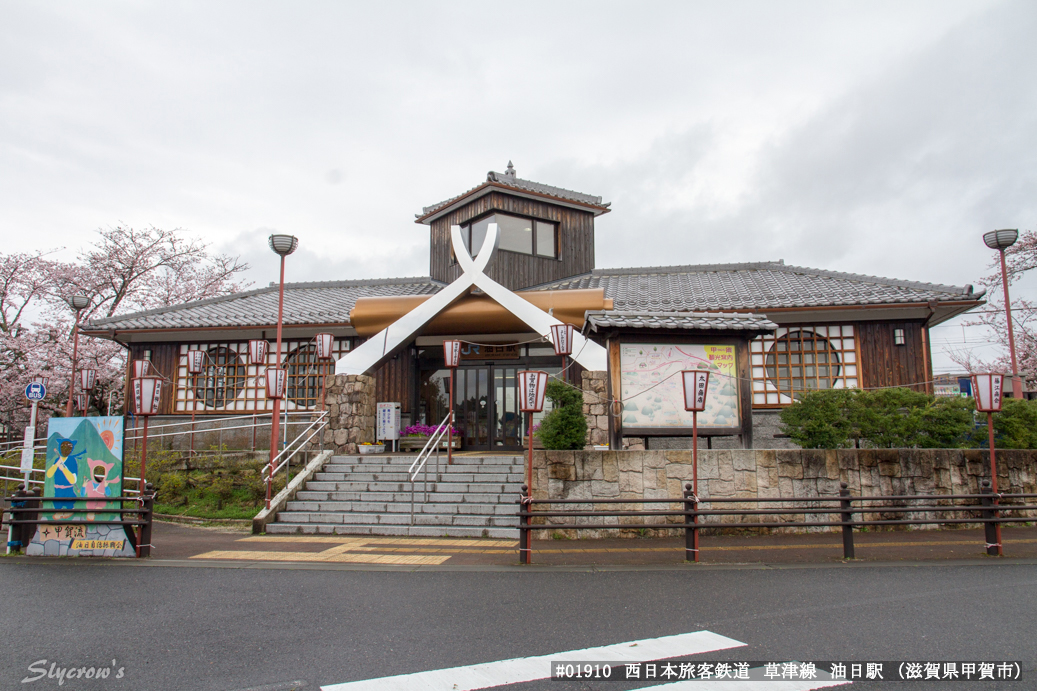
(987, 390)
(532, 385)
(696, 384)
(325, 346)
(282, 245)
(195, 365)
(147, 395)
(257, 350)
(78, 303)
(451, 358)
(1001, 240)
(562, 340)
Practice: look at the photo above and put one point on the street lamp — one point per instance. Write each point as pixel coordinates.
(195, 365)
(696, 384)
(451, 358)
(147, 395)
(562, 340)
(257, 350)
(325, 345)
(78, 303)
(987, 390)
(1001, 240)
(282, 245)
(532, 386)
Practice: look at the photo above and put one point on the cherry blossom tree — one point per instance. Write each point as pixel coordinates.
(124, 270)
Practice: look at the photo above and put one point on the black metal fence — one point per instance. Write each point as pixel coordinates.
(843, 511)
(25, 509)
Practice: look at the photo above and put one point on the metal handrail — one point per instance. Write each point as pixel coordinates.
(421, 462)
(322, 419)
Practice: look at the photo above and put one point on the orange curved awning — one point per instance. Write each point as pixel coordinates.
(476, 313)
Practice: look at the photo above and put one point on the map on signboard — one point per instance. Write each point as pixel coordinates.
(653, 393)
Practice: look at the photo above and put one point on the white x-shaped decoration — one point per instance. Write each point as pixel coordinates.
(368, 355)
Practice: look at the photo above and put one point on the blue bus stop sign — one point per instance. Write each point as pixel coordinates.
(35, 391)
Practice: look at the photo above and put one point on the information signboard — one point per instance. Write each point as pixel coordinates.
(388, 421)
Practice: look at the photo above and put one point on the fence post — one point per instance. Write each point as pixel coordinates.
(525, 506)
(147, 509)
(989, 528)
(691, 530)
(847, 517)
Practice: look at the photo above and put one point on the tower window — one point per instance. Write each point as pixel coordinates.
(517, 234)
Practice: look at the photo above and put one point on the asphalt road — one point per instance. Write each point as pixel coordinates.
(226, 629)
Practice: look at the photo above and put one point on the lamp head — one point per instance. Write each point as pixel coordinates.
(1000, 239)
(284, 244)
(78, 302)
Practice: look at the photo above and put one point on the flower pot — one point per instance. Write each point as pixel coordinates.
(371, 448)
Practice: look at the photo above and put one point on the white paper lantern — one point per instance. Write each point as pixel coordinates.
(532, 387)
(452, 353)
(141, 368)
(325, 344)
(276, 378)
(987, 388)
(195, 361)
(257, 350)
(696, 382)
(147, 394)
(562, 337)
(88, 379)
(41, 379)
(81, 402)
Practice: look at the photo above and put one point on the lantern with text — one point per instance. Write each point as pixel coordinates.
(81, 402)
(696, 385)
(532, 386)
(325, 351)
(275, 382)
(562, 340)
(147, 396)
(195, 362)
(41, 379)
(451, 358)
(88, 379)
(987, 389)
(257, 350)
(141, 368)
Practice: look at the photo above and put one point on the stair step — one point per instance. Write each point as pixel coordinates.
(402, 507)
(444, 519)
(404, 477)
(407, 530)
(456, 497)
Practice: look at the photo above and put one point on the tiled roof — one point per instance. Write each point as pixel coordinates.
(713, 321)
(509, 180)
(753, 286)
(304, 303)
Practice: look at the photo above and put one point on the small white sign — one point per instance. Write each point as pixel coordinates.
(30, 441)
(388, 421)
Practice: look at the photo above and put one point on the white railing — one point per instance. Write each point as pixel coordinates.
(283, 459)
(421, 462)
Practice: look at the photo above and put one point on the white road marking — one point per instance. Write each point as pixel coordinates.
(490, 674)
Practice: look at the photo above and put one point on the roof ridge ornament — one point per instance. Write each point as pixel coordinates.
(510, 171)
(372, 352)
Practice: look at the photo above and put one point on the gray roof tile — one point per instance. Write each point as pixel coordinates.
(712, 321)
(751, 286)
(304, 303)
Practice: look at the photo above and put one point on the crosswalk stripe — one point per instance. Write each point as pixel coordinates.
(490, 674)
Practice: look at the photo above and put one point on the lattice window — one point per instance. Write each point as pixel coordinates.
(797, 359)
(229, 383)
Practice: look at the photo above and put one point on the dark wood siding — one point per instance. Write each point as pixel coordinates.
(511, 269)
(885, 364)
(164, 358)
(394, 380)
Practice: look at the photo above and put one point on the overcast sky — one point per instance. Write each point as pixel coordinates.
(873, 137)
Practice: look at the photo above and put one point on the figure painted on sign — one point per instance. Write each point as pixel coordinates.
(96, 484)
(64, 472)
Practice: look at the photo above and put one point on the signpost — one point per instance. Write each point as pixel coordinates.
(388, 422)
(35, 392)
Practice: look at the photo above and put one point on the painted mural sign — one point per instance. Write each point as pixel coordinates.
(84, 461)
(653, 393)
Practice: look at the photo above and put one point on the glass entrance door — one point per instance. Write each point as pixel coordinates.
(473, 407)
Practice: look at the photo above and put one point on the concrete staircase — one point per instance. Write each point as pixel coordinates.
(371, 495)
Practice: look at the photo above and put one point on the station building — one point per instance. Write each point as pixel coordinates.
(768, 331)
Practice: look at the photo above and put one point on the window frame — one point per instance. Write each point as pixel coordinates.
(466, 234)
(842, 338)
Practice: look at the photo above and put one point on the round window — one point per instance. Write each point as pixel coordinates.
(222, 379)
(304, 373)
(802, 361)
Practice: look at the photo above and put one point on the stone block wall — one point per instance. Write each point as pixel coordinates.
(351, 412)
(595, 407)
(756, 473)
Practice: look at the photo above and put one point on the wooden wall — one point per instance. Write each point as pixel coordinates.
(511, 269)
(165, 357)
(396, 380)
(885, 364)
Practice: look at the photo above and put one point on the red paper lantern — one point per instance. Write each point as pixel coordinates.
(562, 338)
(257, 350)
(325, 344)
(195, 361)
(452, 353)
(696, 382)
(276, 378)
(147, 394)
(532, 387)
(87, 379)
(987, 389)
(141, 368)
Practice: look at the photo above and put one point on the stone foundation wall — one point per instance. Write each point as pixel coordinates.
(595, 408)
(351, 412)
(757, 473)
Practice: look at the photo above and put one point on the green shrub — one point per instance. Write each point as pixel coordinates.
(821, 419)
(1015, 427)
(564, 428)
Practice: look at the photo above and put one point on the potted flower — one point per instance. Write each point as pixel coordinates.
(415, 437)
(367, 447)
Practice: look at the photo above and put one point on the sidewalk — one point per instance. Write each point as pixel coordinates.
(174, 541)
